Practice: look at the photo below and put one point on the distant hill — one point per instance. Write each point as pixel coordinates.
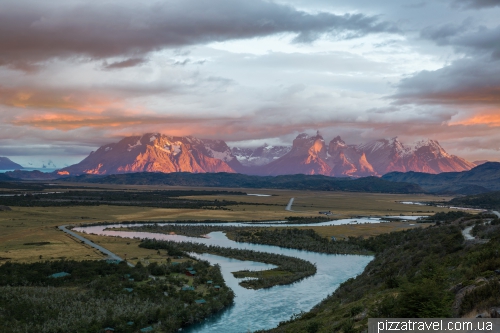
(490, 200)
(7, 164)
(295, 182)
(481, 179)
(32, 175)
(4, 177)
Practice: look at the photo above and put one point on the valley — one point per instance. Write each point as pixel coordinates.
(29, 232)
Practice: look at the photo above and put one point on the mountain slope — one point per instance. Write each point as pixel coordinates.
(156, 152)
(486, 175)
(7, 164)
(348, 160)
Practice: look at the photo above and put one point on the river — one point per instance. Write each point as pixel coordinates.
(265, 308)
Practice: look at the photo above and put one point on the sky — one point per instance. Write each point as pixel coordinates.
(75, 75)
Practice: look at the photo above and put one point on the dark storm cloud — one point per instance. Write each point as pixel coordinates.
(478, 3)
(466, 38)
(36, 31)
(465, 81)
(472, 80)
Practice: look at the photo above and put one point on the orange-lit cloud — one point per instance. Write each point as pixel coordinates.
(43, 98)
(492, 120)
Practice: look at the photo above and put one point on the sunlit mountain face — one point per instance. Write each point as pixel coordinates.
(155, 152)
(77, 75)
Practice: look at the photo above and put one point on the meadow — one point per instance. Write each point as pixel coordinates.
(32, 225)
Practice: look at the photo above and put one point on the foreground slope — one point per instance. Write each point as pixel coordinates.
(418, 273)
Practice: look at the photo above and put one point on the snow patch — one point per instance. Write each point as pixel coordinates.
(176, 148)
(225, 156)
(137, 144)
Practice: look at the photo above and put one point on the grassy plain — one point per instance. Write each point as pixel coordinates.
(24, 225)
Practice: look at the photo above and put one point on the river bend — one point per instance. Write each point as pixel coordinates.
(265, 308)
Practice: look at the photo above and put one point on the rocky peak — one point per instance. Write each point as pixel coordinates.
(309, 145)
(336, 145)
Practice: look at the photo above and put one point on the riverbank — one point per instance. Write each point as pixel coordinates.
(420, 273)
(288, 270)
(253, 309)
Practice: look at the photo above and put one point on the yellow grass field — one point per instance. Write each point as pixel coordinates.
(24, 225)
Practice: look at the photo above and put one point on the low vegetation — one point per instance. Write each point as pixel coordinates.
(292, 238)
(160, 199)
(300, 239)
(310, 219)
(292, 182)
(97, 294)
(487, 230)
(447, 217)
(296, 268)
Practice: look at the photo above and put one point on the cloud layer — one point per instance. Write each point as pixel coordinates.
(76, 74)
(38, 31)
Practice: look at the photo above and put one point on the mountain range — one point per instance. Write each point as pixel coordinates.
(310, 155)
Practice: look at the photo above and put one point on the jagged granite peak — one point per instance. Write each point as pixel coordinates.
(307, 156)
(338, 141)
(387, 155)
(347, 160)
(7, 164)
(155, 152)
(310, 155)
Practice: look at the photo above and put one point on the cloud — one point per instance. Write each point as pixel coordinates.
(477, 3)
(467, 38)
(471, 80)
(34, 31)
(124, 63)
(464, 82)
